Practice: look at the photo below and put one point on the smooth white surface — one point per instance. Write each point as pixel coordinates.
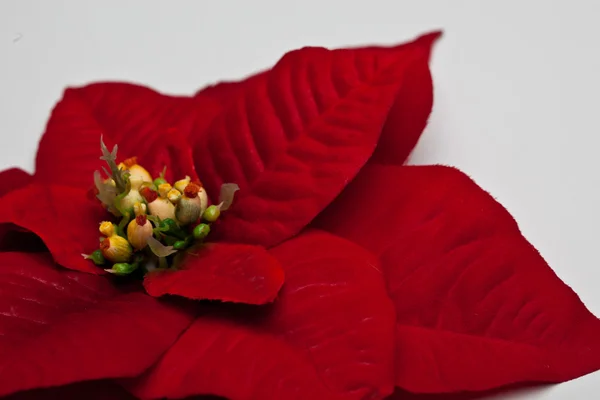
(516, 85)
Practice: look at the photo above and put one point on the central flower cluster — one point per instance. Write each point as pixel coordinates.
(156, 220)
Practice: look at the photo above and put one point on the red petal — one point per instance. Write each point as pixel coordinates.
(328, 336)
(62, 217)
(12, 179)
(227, 272)
(409, 114)
(141, 121)
(13, 238)
(212, 101)
(58, 327)
(477, 306)
(296, 135)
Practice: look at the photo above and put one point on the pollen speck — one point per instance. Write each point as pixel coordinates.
(141, 220)
(130, 162)
(191, 190)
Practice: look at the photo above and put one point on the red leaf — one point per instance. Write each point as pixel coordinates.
(328, 336)
(313, 132)
(62, 217)
(75, 321)
(213, 100)
(228, 272)
(409, 114)
(477, 306)
(12, 179)
(144, 123)
(12, 237)
(297, 134)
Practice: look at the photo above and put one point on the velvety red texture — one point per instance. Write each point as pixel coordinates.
(477, 306)
(12, 179)
(59, 326)
(328, 336)
(423, 282)
(412, 106)
(408, 114)
(297, 134)
(13, 237)
(291, 137)
(63, 217)
(142, 122)
(228, 272)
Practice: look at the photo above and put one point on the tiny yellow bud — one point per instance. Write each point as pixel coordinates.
(164, 189)
(138, 232)
(107, 228)
(174, 195)
(116, 249)
(181, 184)
(139, 208)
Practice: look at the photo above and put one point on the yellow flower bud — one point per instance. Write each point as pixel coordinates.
(181, 184)
(174, 195)
(116, 249)
(164, 189)
(107, 228)
(140, 172)
(135, 170)
(138, 232)
(139, 208)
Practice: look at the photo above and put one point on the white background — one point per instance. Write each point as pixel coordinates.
(516, 90)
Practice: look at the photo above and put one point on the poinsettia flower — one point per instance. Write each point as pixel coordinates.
(337, 273)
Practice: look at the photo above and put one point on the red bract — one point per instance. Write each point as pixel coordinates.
(229, 272)
(411, 278)
(13, 178)
(59, 326)
(477, 306)
(63, 217)
(329, 336)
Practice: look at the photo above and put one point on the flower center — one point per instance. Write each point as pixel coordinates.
(154, 219)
